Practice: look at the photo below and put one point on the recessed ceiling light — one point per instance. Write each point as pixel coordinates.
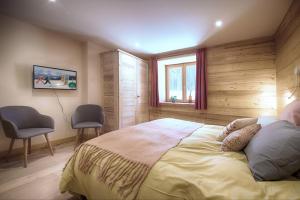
(52, 0)
(218, 23)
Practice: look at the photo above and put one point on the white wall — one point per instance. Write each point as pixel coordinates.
(23, 45)
(94, 73)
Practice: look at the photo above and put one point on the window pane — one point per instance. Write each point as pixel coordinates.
(175, 82)
(190, 81)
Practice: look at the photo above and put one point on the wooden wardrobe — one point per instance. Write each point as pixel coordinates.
(125, 89)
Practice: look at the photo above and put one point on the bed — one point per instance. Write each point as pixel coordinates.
(195, 168)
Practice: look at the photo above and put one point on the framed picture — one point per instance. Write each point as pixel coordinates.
(53, 78)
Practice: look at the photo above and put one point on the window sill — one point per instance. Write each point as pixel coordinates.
(177, 103)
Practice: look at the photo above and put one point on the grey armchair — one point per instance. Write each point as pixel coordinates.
(23, 122)
(87, 116)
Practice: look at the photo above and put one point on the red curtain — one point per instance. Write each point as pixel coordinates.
(154, 99)
(201, 80)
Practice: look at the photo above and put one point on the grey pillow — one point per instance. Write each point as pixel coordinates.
(274, 152)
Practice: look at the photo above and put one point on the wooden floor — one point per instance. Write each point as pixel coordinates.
(39, 180)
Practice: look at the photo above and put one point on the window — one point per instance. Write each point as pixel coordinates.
(177, 77)
(180, 82)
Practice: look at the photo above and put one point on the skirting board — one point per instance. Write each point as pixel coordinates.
(20, 151)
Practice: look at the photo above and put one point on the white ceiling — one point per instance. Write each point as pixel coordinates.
(153, 26)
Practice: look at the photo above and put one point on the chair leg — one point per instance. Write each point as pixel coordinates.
(12, 141)
(25, 144)
(49, 144)
(82, 135)
(29, 145)
(78, 137)
(96, 132)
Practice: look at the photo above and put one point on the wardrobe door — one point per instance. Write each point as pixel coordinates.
(142, 110)
(110, 66)
(127, 90)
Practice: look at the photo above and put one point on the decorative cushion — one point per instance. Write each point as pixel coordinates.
(237, 140)
(236, 125)
(274, 152)
(291, 113)
(266, 120)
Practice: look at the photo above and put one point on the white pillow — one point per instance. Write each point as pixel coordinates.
(266, 120)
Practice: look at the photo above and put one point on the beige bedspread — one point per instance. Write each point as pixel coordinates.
(194, 169)
(122, 159)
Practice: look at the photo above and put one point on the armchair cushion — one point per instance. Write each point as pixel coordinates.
(30, 132)
(87, 125)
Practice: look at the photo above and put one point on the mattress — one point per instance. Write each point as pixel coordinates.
(194, 169)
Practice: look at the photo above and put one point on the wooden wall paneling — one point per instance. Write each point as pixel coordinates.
(287, 40)
(289, 52)
(241, 66)
(252, 50)
(288, 25)
(241, 83)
